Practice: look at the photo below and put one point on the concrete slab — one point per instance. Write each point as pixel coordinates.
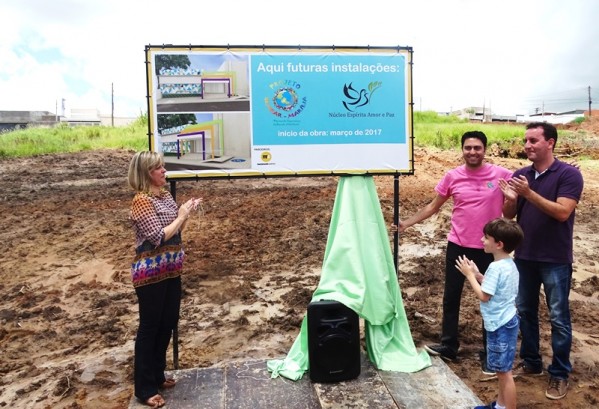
(248, 385)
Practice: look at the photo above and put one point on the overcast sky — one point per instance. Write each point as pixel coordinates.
(514, 56)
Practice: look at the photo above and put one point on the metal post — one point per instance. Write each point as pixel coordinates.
(174, 189)
(112, 102)
(173, 184)
(590, 112)
(176, 348)
(396, 221)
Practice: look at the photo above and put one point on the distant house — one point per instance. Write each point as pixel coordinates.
(555, 118)
(81, 116)
(475, 114)
(12, 120)
(504, 118)
(481, 114)
(92, 117)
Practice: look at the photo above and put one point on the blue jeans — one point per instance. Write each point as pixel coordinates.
(556, 280)
(501, 346)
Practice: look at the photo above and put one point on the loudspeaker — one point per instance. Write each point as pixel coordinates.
(333, 342)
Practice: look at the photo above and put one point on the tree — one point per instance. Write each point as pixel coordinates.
(172, 120)
(171, 61)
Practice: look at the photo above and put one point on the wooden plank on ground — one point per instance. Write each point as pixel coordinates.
(196, 388)
(250, 386)
(433, 387)
(366, 391)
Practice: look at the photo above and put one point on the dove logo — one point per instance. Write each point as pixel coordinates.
(358, 98)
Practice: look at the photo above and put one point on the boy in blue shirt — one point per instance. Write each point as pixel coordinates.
(497, 294)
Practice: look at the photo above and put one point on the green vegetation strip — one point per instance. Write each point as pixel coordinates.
(430, 129)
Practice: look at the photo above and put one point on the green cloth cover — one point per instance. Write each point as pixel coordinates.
(358, 271)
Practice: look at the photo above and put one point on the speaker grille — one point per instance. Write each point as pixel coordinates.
(333, 342)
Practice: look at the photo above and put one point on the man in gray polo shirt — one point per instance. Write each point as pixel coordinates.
(543, 197)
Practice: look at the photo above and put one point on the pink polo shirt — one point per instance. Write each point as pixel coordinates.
(477, 199)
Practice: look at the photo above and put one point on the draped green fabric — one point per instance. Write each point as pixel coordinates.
(358, 271)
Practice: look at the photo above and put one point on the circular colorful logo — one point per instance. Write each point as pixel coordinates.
(286, 102)
(285, 99)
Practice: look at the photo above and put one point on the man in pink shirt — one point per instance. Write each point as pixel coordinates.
(477, 199)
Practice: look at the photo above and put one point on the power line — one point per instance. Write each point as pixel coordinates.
(563, 100)
(577, 91)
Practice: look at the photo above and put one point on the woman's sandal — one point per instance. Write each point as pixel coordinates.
(169, 383)
(155, 401)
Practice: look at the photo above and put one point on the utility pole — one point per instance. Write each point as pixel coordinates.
(590, 101)
(484, 107)
(112, 103)
(543, 112)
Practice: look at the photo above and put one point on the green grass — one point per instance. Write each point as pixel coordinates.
(62, 139)
(446, 132)
(430, 129)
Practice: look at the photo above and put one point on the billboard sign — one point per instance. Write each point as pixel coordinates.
(280, 111)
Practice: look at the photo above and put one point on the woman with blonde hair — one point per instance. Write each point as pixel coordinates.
(155, 271)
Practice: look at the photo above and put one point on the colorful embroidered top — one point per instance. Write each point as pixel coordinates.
(155, 259)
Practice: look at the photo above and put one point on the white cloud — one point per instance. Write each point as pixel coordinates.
(507, 54)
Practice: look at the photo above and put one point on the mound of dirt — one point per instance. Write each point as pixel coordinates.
(69, 314)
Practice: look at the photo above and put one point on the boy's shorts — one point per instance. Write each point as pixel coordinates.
(501, 346)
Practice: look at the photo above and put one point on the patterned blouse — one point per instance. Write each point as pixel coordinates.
(155, 259)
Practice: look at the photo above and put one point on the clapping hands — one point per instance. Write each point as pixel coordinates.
(514, 187)
(191, 205)
(468, 268)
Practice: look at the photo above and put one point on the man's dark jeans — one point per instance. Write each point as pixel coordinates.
(454, 284)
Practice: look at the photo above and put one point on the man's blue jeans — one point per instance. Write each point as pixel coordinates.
(556, 280)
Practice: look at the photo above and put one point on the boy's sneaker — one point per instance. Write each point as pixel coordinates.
(486, 370)
(524, 370)
(557, 388)
(442, 351)
(491, 405)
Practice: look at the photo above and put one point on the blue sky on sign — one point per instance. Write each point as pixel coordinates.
(514, 56)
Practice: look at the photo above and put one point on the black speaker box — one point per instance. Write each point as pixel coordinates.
(333, 342)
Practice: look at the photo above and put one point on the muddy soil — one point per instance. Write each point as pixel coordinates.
(68, 315)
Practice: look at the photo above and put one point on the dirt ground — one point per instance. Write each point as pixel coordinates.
(68, 315)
